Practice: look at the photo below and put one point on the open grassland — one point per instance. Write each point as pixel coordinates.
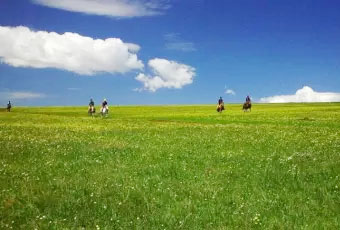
(171, 167)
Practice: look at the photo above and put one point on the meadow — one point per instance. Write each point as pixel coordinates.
(171, 167)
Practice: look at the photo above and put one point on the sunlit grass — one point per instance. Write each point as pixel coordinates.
(171, 167)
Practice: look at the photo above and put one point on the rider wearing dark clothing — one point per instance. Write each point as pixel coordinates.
(104, 103)
(105, 109)
(91, 109)
(248, 99)
(220, 101)
(91, 102)
(220, 106)
(9, 106)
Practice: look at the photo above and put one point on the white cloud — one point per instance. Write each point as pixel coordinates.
(230, 91)
(111, 8)
(168, 74)
(306, 94)
(171, 36)
(22, 47)
(18, 95)
(73, 89)
(181, 46)
(174, 42)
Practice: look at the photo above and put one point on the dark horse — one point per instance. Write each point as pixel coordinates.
(220, 108)
(247, 107)
(9, 106)
(92, 110)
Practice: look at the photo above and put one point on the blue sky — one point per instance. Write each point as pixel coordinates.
(182, 52)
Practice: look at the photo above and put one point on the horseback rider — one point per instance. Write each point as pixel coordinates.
(220, 101)
(91, 104)
(104, 103)
(220, 105)
(248, 99)
(105, 109)
(247, 104)
(9, 106)
(91, 109)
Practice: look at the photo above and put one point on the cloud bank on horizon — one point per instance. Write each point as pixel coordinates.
(22, 47)
(111, 8)
(305, 94)
(167, 74)
(20, 95)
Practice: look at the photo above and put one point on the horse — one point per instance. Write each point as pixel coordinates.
(91, 110)
(104, 111)
(9, 106)
(220, 108)
(246, 107)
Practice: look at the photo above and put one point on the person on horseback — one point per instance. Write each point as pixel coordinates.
(220, 105)
(220, 101)
(9, 106)
(91, 104)
(104, 103)
(247, 104)
(105, 108)
(248, 99)
(92, 109)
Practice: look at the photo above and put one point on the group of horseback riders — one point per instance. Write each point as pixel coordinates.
(104, 110)
(246, 105)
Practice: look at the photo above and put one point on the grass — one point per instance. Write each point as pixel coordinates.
(171, 167)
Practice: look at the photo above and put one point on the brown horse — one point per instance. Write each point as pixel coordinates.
(220, 108)
(92, 110)
(247, 107)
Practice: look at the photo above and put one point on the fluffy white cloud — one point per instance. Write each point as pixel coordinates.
(112, 8)
(306, 94)
(21, 95)
(230, 91)
(22, 47)
(168, 74)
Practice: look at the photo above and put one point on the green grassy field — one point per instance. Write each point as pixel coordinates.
(171, 167)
